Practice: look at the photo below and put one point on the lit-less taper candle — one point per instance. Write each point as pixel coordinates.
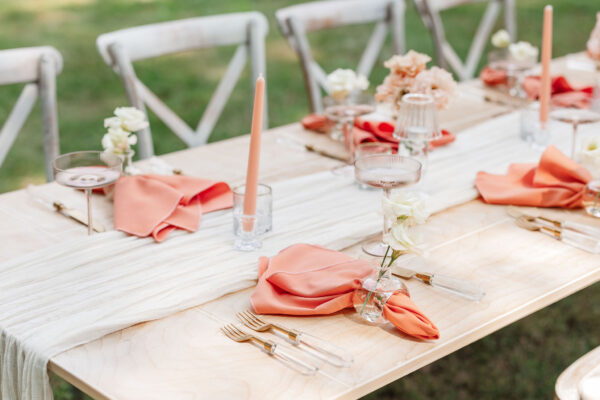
(546, 84)
(251, 188)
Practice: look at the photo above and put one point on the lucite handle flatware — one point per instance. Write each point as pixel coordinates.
(459, 287)
(581, 241)
(582, 228)
(293, 360)
(324, 350)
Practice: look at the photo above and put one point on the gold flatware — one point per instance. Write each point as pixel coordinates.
(273, 349)
(74, 214)
(573, 238)
(311, 148)
(458, 287)
(317, 347)
(574, 226)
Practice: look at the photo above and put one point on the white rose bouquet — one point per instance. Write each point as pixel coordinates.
(120, 136)
(342, 82)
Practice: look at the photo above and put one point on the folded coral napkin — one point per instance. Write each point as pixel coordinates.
(563, 93)
(557, 181)
(305, 279)
(154, 205)
(372, 128)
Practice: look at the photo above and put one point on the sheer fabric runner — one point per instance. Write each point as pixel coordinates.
(57, 298)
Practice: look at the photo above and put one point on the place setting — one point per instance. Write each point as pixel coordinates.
(383, 228)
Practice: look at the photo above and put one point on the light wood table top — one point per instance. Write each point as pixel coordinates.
(184, 356)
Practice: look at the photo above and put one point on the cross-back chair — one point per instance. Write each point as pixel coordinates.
(37, 67)
(121, 48)
(445, 54)
(298, 20)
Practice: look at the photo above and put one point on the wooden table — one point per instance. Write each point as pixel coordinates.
(185, 356)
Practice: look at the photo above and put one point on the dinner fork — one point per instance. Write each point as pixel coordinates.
(315, 346)
(273, 349)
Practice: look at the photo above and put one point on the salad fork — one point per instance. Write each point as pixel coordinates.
(315, 346)
(273, 349)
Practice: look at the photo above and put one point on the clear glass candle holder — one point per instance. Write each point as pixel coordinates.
(261, 221)
(532, 130)
(591, 199)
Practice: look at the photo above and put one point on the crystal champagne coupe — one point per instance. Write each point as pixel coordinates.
(87, 170)
(385, 171)
(416, 126)
(575, 117)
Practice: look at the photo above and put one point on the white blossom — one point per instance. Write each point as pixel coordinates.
(501, 39)
(341, 82)
(523, 52)
(131, 118)
(590, 155)
(118, 141)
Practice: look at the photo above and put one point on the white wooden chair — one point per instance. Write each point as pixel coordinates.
(445, 55)
(37, 67)
(296, 21)
(120, 48)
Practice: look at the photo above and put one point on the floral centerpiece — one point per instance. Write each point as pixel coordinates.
(120, 136)
(403, 211)
(408, 74)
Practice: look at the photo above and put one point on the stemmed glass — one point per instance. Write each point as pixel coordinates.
(385, 171)
(416, 126)
(87, 170)
(575, 117)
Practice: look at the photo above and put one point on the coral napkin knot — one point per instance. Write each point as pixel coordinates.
(305, 279)
(154, 205)
(557, 181)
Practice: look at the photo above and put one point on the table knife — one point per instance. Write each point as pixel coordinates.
(74, 214)
(570, 237)
(461, 288)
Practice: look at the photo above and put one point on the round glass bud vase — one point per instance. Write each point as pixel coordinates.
(591, 198)
(376, 289)
(127, 158)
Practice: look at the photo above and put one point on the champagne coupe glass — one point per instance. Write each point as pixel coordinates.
(87, 170)
(575, 117)
(385, 171)
(416, 126)
(343, 112)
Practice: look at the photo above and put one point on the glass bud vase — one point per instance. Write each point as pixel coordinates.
(128, 168)
(376, 289)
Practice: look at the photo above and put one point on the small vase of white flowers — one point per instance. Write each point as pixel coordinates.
(121, 134)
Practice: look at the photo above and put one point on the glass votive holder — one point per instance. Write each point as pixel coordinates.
(262, 220)
(532, 130)
(591, 199)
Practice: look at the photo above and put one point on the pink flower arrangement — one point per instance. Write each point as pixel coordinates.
(408, 74)
(593, 44)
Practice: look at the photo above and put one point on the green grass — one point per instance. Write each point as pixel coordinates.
(520, 361)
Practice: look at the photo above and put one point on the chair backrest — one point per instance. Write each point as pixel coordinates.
(120, 48)
(296, 21)
(446, 55)
(37, 67)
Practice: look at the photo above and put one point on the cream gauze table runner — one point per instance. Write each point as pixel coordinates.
(72, 293)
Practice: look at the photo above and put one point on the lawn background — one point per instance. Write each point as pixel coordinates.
(521, 361)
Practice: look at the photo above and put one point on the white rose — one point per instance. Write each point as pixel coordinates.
(399, 238)
(590, 155)
(405, 206)
(113, 122)
(501, 39)
(118, 141)
(523, 52)
(343, 81)
(131, 118)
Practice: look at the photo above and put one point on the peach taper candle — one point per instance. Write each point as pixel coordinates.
(251, 190)
(546, 84)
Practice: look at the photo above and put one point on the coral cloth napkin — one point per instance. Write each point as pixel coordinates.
(154, 205)
(368, 129)
(557, 181)
(563, 93)
(305, 279)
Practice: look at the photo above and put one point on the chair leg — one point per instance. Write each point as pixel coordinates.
(49, 112)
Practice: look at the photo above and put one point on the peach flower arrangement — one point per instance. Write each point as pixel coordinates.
(408, 74)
